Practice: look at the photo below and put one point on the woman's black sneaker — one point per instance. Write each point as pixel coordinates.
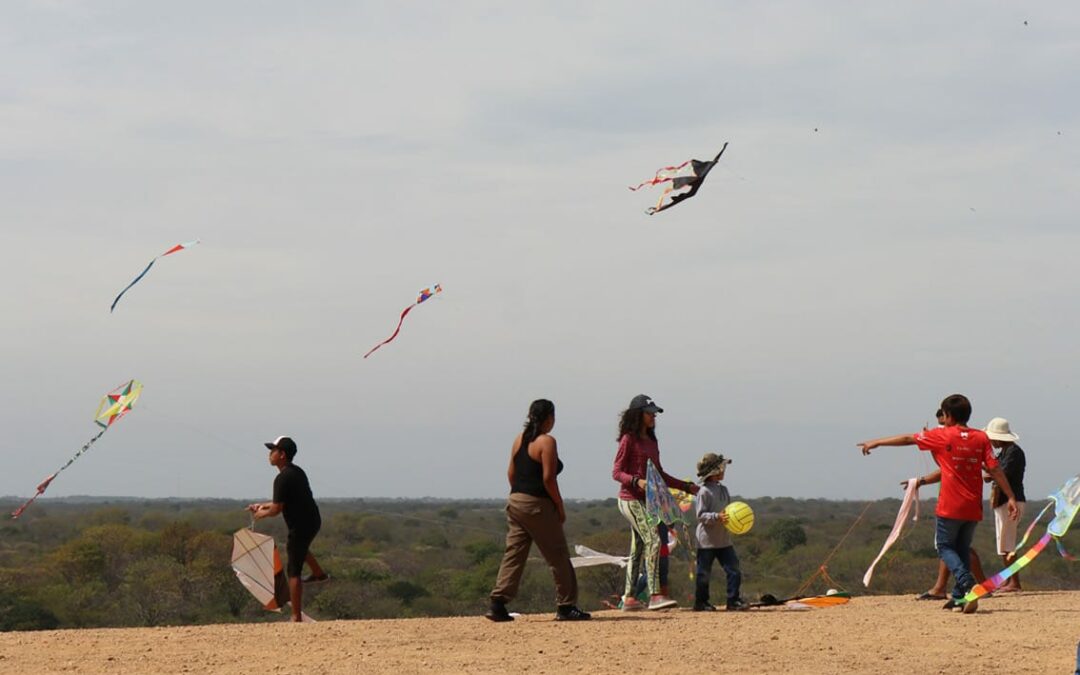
(497, 612)
(571, 613)
(703, 607)
(739, 605)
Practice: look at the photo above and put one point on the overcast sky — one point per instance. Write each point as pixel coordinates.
(894, 220)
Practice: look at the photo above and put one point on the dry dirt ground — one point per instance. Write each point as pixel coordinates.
(1033, 632)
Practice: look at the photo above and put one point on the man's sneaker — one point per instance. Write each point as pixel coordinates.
(971, 607)
(737, 605)
(316, 579)
(571, 613)
(951, 604)
(631, 604)
(703, 607)
(661, 602)
(497, 612)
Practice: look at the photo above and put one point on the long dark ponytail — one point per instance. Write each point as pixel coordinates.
(539, 411)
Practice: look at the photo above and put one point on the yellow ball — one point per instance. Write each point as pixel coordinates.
(740, 517)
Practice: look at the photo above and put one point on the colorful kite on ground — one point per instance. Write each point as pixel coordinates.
(832, 598)
(114, 406)
(424, 295)
(174, 249)
(1066, 504)
(690, 174)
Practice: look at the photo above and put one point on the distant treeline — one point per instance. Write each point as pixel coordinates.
(130, 562)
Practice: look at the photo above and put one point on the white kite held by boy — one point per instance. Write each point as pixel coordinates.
(257, 564)
(911, 499)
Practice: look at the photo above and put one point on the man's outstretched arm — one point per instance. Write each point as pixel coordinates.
(905, 439)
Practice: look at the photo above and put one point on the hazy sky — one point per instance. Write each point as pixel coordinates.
(894, 221)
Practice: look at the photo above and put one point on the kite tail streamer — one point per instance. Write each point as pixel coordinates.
(660, 176)
(911, 498)
(1061, 549)
(396, 331)
(44, 485)
(688, 551)
(141, 275)
(40, 490)
(174, 249)
(994, 582)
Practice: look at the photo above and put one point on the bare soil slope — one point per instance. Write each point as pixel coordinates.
(1033, 632)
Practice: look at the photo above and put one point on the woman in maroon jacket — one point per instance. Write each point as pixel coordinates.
(637, 445)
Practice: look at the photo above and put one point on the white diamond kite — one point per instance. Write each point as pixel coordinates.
(257, 564)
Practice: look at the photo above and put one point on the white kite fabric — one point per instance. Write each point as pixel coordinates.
(587, 557)
(911, 500)
(257, 564)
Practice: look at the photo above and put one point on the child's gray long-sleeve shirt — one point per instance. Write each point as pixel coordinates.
(709, 502)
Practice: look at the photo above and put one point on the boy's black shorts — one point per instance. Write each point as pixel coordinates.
(297, 546)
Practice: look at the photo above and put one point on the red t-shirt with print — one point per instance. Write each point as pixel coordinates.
(961, 453)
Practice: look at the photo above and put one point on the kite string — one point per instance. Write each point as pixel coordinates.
(823, 567)
(232, 446)
(724, 164)
(224, 442)
(923, 464)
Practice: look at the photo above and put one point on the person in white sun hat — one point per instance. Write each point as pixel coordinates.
(1012, 461)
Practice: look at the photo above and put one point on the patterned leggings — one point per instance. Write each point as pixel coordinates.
(644, 544)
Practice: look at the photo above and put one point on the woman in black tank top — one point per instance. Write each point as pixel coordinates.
(527, 474)
(535, 512)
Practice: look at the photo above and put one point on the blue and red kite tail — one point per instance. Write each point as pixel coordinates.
(174, 249)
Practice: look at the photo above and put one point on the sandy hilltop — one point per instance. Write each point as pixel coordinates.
(1033, 632)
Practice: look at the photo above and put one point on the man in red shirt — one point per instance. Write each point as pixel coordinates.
(962, 453)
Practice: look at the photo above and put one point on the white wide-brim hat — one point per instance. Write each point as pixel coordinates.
(998, 429)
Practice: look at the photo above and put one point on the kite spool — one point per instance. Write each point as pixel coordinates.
(740, 517)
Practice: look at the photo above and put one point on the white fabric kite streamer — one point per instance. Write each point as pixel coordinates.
(586, 557)
(911, 498)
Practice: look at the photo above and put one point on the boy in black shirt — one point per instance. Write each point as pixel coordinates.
(293, 499)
